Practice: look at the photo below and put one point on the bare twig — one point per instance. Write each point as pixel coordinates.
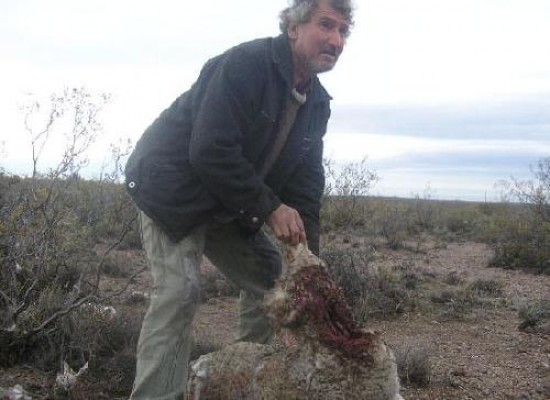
(58, 315)
(6, 298)
(128, 282)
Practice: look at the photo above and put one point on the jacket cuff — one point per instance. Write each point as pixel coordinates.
(254, 217)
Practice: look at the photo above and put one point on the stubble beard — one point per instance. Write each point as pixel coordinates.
(320, 66)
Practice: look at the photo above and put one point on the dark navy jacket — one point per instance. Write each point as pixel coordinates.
(200, 157)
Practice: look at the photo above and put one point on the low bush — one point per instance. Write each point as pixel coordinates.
(464, 222)
(453, 278)
(344, 201)
(460, 302)
(414, 366)
(520, 236)
(116, 265)
(486, 287)
(534, 315)
(372, 291)
(520, 240)
(52, 308)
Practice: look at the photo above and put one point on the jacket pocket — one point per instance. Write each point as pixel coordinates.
(169, 184)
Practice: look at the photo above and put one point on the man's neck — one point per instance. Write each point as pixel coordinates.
(303, 85)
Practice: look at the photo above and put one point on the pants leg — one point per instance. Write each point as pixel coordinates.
(165, 338)
(254, 326)
(253, 263)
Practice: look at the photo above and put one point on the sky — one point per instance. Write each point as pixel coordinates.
(445, 97)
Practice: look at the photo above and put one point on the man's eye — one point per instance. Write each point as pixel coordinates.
(344, 32)
(325, 24)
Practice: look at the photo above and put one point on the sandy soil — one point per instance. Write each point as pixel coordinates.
(484, 356)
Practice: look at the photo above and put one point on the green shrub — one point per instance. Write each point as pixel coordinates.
(391, 221)
(115, 265)
(462, 222)
(344, 201)
(520, 236)
(414, 366)
(460, 302)
(106, 339)
(534, 314)
(349, 276)
(457, 303)
(425, 212)
(453, 278)
(486, 287)
(521, 241)
(372, 291)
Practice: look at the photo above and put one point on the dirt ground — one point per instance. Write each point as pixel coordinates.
(484, 356)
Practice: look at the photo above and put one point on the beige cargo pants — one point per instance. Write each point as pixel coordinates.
(164, 344)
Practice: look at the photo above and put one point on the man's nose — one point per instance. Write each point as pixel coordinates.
(337, 39)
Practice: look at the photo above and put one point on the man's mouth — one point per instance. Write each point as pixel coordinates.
(330, 52)
(331, 55)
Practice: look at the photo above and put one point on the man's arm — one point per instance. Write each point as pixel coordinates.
(223, 110)
(303, 193)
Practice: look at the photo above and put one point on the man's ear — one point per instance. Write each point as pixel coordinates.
(292, 30)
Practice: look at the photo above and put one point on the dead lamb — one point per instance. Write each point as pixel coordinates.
(333, 357)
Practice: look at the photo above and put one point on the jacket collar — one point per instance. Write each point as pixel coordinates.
(282, 57)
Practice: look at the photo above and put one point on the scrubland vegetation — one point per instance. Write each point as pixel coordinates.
(72, 285)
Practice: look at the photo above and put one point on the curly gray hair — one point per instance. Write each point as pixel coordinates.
(300, 11)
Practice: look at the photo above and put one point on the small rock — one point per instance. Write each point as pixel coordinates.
(460, 371)
(15, 393)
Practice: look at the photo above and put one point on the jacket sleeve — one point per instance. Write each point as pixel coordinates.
(304, 191)
(223, 111)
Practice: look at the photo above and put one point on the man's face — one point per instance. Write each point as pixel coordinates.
(317, 44)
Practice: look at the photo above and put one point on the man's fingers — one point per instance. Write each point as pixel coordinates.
(294, 238)
(303, 238)
(287, 225)
(299, 232)
(300, 223)
(289, 233)
(280, 232)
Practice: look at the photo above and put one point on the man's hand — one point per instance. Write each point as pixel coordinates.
(287, 225)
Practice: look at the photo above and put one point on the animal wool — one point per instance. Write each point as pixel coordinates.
(333, 356)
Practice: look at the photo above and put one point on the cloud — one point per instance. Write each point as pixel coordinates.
(453, 168)
(451, 175)
(525, 117)
(495, 163)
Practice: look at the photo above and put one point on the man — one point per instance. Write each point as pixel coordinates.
(240, 149)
